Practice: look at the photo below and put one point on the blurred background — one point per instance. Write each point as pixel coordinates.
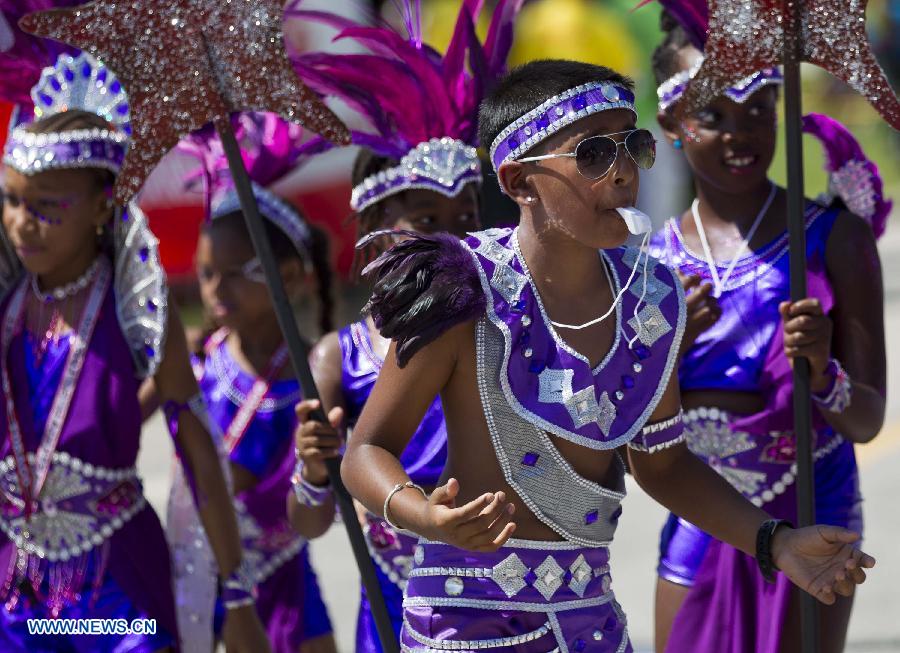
(609, 32)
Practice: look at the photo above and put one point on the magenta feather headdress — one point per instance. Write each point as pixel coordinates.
(692, 15)
(271, 149)
(22, 56)
(852, 175)
(420, 107)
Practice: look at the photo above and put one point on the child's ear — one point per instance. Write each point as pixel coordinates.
(295, 277)
(516, 183)
(670, 127)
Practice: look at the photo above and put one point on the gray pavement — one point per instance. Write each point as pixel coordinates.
(875, 626)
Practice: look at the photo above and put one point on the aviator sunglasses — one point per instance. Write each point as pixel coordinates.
(595, 156)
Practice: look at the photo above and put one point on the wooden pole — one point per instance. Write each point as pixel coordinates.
(300, 359)
(797, 248)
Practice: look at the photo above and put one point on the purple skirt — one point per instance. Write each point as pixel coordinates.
(110, 601)
(528, 597)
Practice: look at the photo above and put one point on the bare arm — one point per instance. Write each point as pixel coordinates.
(854, 270)
(175, 382)
(371, 466)
(819, 559)
(315, 442)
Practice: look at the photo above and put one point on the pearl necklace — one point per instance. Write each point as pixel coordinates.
(69, 290)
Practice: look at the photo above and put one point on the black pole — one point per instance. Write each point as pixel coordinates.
(797, 251)
(299, 355)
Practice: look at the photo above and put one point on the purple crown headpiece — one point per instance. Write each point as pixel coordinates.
(278, 212)
(444, 165)
(421, 107)
(556, 113)
(271, 149)
(81, 83)
(671, 90)
(693, 16)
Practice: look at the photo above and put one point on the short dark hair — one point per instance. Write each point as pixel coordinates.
(532, 84)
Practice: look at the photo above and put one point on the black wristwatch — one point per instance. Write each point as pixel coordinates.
(764, 547)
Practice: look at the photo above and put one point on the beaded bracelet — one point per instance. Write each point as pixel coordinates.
(239, 589)
(836, 398)
(309, 495)
(387, 502)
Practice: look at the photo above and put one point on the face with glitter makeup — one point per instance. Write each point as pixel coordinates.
(51, 218)
(728, 144)
(232, 297)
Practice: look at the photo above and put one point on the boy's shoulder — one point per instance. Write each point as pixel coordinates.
(423, 286)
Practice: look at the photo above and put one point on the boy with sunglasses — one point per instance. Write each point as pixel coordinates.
(542, 397)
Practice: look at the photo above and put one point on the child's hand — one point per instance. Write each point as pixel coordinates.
(316, 442)
(703, 309)
(807, 334)
(821, 560)
(484, 524)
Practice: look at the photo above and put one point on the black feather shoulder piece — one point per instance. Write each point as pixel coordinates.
(423, 286)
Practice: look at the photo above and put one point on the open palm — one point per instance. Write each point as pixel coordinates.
(822, 560)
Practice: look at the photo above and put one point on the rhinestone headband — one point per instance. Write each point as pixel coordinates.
(277, 211)
(556, 113)
(671, 90)
(443, 165)
(29, 153)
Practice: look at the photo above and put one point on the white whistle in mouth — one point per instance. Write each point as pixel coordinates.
(638, 222)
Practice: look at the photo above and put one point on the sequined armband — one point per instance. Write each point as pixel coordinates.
(836, 398)
(309, 495)
(659, 435)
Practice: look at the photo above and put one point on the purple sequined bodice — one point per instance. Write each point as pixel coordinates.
(269, 437)
(731, 355)
(425, 455)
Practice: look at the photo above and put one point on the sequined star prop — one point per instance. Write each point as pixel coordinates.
(747, 35)
(185, 63)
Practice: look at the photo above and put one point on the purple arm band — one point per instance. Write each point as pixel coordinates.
(659, 435)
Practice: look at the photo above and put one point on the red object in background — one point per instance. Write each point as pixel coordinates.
(177, 228)
(5, 115)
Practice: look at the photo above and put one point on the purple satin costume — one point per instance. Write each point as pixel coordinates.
(289, 602)
(555, 595)
(743, 352)
(423, 459)
(128, 575)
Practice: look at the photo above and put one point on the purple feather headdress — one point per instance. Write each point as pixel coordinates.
(22, 56)
(852, 176)
(271, 149)
(693, 16)
(421, 107)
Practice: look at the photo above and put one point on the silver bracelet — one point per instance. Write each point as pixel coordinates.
(387, 502)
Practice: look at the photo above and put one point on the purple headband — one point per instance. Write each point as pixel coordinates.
(278, 212)
(442, 165)
(671, 90)
(556, 113)
(29, 153)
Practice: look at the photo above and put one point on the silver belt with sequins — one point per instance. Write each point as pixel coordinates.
(80, 506)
